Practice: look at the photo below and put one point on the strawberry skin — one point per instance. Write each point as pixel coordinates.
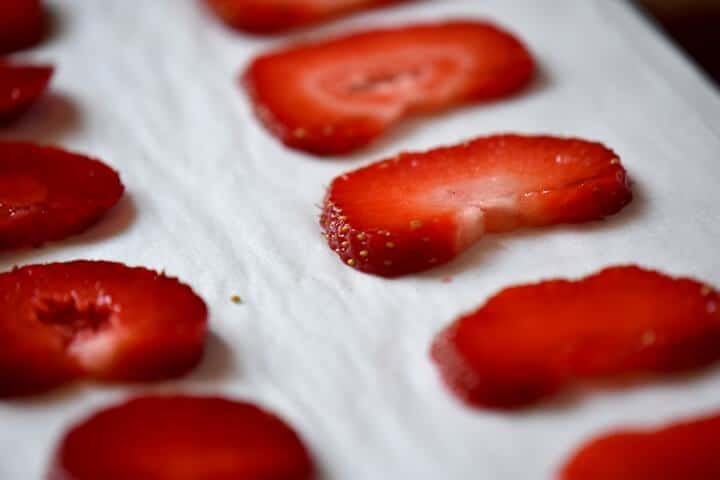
(49, 194)
(528, 342)
(418, 210)
(20, 88)
(337, 96)
(274, 16)
(686, 450)
(22, 24)
(182, 438)
(100, 320)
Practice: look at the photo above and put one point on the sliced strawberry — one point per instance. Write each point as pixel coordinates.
(22, 24)
(20, 87)
(271, 16)
(418, 210)
(182, 438)
(336, 96)
(528, 342)
(100, 320)
(48, 194)
(685, 450)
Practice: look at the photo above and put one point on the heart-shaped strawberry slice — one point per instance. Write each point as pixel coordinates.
(182, 438)
(528, 342)
(100, 320)
(48, 194)
(336, 96)
(20, 88)
(415, 211)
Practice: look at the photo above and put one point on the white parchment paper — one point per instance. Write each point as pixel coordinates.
(149, 87)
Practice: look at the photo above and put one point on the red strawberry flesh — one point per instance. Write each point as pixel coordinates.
(336, 96)
(48, 194)
(182, 438)
(20, 88)
(273, 16)
(418, 210)
(22, 24)
(101, 320)
(528, 342)
(685, 450)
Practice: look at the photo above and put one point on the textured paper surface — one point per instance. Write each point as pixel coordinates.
(149, 87)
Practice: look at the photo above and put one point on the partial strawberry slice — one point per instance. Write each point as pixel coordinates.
(20, 87)
(418, 210)
(685, 450)
(528, 342)
(22, 24)
(336, 96)
(100, 320)
(48, 194)
(182, 438)
(271, 16)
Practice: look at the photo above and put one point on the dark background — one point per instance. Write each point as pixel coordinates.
(694, 25)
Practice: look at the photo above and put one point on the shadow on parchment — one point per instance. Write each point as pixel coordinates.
(118, 219)
(54, 115)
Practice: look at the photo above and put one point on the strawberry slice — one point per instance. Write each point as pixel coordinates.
(22, 24)
(530, 341)
(188, 438)
(99, 320)
(48, 194)
(686, 450)
(417, 210)
(20, 87)
(336, 96)
(272, 16)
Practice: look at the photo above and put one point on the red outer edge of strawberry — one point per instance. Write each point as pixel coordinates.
(345, 138)
(399, 258)
(463, 381)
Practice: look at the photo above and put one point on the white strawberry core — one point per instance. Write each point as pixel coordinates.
(95, 353)
(86, 328)
(470, 226)
(473, 200)
(386, 84)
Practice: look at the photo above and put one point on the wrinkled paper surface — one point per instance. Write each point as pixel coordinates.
(150, 88)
